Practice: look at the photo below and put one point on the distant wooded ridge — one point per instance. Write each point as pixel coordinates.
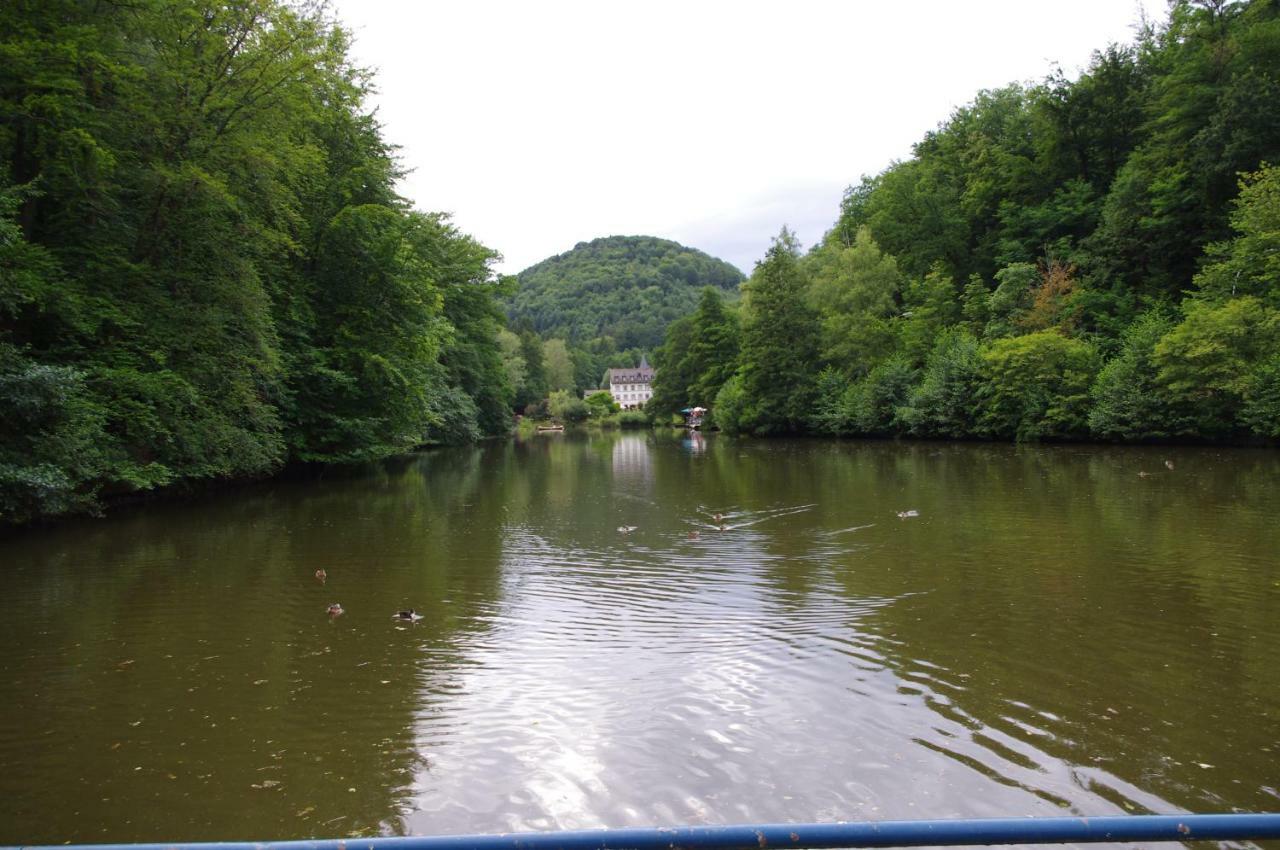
(625, 288)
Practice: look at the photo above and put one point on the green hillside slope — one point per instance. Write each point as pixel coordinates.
(626, 287)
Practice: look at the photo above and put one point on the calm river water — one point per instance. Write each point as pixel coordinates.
(1060, 630)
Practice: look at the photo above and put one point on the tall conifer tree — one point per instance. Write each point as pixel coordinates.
(779, 343)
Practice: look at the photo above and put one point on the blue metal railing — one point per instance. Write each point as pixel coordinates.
(919, 833)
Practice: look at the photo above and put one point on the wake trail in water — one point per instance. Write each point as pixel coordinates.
(743, 519)
(847, 530)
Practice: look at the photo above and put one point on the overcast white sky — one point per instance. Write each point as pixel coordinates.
(542, 124)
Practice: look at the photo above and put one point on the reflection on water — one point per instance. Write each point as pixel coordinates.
(694, 442)
(1051, 633)
(632, 462)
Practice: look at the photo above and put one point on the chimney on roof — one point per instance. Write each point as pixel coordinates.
(644, 362)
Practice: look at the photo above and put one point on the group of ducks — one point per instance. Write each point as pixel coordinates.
(718, 519)
(335, 610)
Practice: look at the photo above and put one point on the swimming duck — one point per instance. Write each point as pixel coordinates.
(321, 575)
(693, 535)
(335, 610)
(718, 518)
(410, 616)
(626, 529)
(905, 514)
(1168, 464)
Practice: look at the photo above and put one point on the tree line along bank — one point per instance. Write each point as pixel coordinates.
(1095, 258)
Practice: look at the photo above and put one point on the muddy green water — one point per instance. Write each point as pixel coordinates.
(1053, 633)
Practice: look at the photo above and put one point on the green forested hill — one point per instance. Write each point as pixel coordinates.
(625, 287)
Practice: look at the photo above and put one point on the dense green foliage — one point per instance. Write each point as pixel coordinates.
(601, 404)
(533, 366)
(626, 289)
(941, 404)
(1089, 258)
(204, 269)
(567, 407)
(699, 355)
(773, 387)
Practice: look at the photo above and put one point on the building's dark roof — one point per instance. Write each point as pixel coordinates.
(643, 375)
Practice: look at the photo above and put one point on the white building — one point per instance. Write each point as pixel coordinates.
(632, 388)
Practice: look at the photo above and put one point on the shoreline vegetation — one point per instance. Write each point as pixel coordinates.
(1094, 259)
(206, 274)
